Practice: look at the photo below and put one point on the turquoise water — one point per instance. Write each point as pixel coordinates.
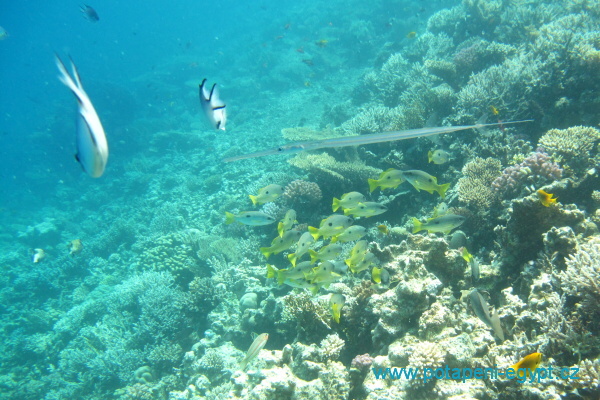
(163, 294)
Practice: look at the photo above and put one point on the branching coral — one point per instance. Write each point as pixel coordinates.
(331, 347)
(475, 187)
(302, 133)
(311, 316)
(581, 280)
(371, 120)
(328, 170)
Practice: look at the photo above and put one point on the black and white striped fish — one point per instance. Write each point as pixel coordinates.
(213, 106)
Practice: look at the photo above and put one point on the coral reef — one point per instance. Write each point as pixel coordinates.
(475, 187)
(535, 170)
(573, 147)
(339, 175)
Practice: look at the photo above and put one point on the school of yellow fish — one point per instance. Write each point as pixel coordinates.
(323, 265)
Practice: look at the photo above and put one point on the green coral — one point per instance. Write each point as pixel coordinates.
(475, 187)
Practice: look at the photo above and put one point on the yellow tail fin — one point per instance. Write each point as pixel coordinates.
(313, 256)
(266, 252)
(271, 271)
(281, 275)
(293, 258)
(229, 218)
(373, 184)
(430, 156)
(441, 189)
(418, 226)
(254, 199)
(314, 232)
(336, 204)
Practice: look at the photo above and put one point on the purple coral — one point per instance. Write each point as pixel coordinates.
(537, 169)
(467, 58)
(362, 361)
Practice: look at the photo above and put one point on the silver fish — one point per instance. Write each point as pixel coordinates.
(357, 140)
(254, 349)
(213, 106)
(482, 310)
(92, 147)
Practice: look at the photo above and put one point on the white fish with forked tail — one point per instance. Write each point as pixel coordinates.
(92, 147)
(213, 106)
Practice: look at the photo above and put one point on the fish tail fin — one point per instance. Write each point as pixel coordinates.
(336, 204)
(314, 232)
(229, 218)
(336, 313)
(417, 225)
(67, 80)
(334, 239)
(313, 256)
(280, 229)
(347, 211)
(348, 262)
(373, 184)
(271, 271)
(281, 275)
(266, 252)
(254, 199)
(314, 289)
(430, 156)
(293, 258)
(441, 189)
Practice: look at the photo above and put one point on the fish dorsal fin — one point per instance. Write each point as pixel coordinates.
(204, 94)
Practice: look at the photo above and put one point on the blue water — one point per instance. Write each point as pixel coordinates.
(81, 325)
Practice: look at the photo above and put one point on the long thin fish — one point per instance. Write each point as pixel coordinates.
(346, 141)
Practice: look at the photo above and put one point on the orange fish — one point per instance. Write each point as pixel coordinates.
(528, 364)
(411, 35)
(546, 198)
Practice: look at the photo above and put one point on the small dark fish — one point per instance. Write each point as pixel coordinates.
(89, 13)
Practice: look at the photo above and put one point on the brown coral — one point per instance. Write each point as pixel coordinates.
(475, 187)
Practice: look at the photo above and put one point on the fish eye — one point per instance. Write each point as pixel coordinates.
(280, 149)
(437, 222)
(330, 224)
(247, 216)
(389, 177)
